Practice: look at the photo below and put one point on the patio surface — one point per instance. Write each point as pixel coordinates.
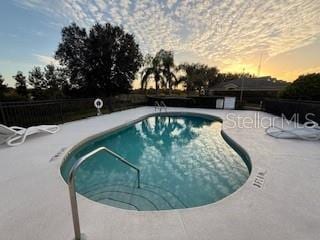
(34, 200)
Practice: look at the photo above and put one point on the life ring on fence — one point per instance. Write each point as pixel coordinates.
(98, 103)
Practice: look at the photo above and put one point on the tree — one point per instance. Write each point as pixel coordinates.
(21, 84)
(198, 76)
(37, 81)
(306, 87)
(49, 83)
(212, 76)
(3, 87)
(161, 67)
(102, 62)
(168, 66)
(225, 77)
(36, 78)
(62, 80)
(56, 80)
(153, 68)
(51, 77)
(72, 54)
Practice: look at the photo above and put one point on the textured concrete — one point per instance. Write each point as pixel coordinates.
(34, 201)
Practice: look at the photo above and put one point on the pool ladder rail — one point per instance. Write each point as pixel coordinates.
(160, 106)
(72, 189)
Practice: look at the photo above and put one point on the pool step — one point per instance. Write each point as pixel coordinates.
(146, 198)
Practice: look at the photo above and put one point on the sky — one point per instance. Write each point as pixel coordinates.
(284, 35)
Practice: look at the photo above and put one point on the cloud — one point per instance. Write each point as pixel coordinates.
(43, 59)
(222, 31)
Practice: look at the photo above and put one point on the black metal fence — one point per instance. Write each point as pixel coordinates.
(190, 101)
(250, 98)
(302, 110)
(59, 111)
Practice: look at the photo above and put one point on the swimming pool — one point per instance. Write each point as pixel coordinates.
(185, 161)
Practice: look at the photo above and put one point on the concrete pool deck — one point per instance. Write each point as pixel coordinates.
(280, 200)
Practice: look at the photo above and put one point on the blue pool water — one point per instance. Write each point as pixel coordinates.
(184, 162)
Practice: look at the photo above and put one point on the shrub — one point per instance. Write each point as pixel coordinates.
(306, 87)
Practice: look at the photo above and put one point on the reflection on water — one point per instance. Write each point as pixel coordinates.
(184, 162)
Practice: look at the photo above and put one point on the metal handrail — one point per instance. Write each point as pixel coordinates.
(160, 106)
(72, 189)
(163, 105)
(157, 105)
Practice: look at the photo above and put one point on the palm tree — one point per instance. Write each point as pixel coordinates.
(162, 68)
(168, 66)
(154, 68)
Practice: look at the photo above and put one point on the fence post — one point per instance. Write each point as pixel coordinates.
(61, 111)
(109, 102)
(300, 119)
(2, 114)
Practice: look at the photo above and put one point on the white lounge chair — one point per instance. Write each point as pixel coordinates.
(15, 136)
(304, 133)
(6, 133)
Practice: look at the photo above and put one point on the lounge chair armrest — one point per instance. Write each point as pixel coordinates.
(16, 128)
